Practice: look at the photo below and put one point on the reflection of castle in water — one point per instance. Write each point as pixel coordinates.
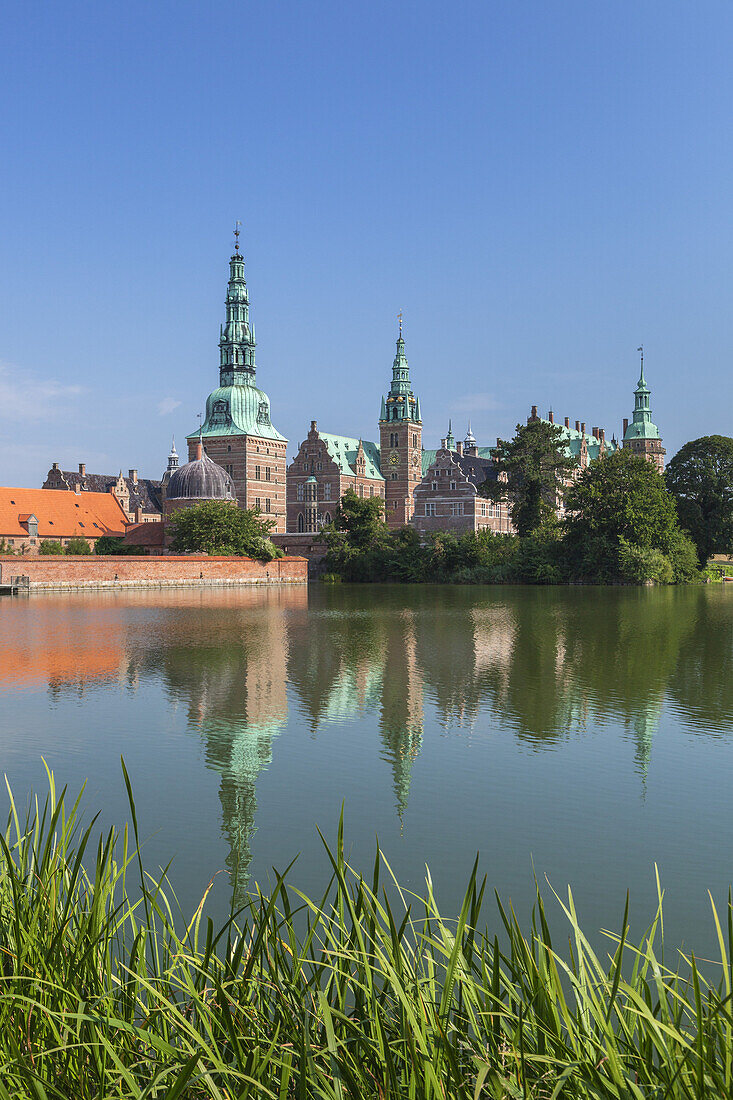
(548, 665)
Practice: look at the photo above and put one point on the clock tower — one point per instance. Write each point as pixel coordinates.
(400, 436)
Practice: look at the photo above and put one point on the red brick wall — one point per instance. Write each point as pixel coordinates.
(92, 572)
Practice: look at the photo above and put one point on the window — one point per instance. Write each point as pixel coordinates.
(371, 490)
(394, 505)
(327, 491)
(434, 485)
(267, 504)
(393, 475)
(452, 485)
(257, 502)
(267, 473)
(301, 522)
(361, 490)
(430, 508)
(414, 440)
(301, 491)
(394, 439)
(327, 518)
(319, 465)
(258, 470)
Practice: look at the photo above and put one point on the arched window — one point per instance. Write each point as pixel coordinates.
(301, 522)
(327, 518)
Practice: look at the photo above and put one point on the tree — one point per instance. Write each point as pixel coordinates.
(78, 546)
(621, 502)
(50, 547)
(700, 478)
(537, 465)
(221, 528)
(361, 519)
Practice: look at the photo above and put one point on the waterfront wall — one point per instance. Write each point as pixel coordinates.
(151, 572)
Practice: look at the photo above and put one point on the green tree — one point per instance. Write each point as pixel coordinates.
(50, 547)
(621, 502)
(537, 464)
(78, 546)
(219, 528)
(700, 478)
(361, 519)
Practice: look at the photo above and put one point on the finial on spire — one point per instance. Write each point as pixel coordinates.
(640, 349)
(399, 317)
(236, 235)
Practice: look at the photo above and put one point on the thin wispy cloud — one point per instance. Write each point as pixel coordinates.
(28, 396)
(475, 402)
(167, 406)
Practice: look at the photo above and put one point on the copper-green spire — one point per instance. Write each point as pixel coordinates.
(642, 426)
(450, 439)
(237, 338)
(401, 403)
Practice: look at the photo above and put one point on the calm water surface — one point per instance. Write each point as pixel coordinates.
(579, 734)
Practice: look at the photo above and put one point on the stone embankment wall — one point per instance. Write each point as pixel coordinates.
(149, 572)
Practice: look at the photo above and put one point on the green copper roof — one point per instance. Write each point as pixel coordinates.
(343, 451)
(574, 441)
(238, 410)
(642, 426)
(237, 407)
(400, 403)
(428, 457)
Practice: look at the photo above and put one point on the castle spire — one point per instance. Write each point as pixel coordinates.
(401, 403)
(450, 439)
(237, 341)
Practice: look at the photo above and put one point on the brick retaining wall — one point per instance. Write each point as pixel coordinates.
(148, 572)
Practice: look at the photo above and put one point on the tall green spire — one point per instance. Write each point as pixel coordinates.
(401, 403)
(642, 426)
(450, 439)
(237, 338)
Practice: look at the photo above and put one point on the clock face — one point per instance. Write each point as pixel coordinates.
(394, 458)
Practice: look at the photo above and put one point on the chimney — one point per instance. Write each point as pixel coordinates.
(567, 421)
(582, 427)
(77, 487)
(459, 447)
(534, 412)
(577, 425)
(551, 416)
(626, 424)
(133, 477)
(82, 469)
(199, 450)
(138, 514)
(602, 434)
(314, 425)
(443, 444)
(594, 432)
(55, 466)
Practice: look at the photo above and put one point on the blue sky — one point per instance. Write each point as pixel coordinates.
(540, 187)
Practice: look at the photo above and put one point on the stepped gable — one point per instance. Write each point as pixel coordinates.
(144, 492)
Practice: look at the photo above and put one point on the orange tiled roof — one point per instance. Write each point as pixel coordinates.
(61, 515)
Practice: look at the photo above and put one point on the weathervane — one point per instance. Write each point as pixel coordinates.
(236, 235)
(641, 349)
(399, 317)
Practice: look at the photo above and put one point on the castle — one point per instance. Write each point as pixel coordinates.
(434, 490)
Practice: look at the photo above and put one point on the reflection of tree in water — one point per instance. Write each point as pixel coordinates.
(702, 683)
(355, 655)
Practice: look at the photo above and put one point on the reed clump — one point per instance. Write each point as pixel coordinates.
(364, 992)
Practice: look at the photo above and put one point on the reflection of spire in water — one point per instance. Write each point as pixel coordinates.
(249, 752)
(646, 724)
(402, 707)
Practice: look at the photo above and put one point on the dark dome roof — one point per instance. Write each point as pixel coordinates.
(201, 479)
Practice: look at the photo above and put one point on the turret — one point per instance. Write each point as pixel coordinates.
(642, 436)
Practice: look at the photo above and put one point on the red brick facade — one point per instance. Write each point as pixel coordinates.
(312, 504)
(447, 499)
(258, 469)
(401, 457)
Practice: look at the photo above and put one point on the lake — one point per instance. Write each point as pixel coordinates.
(579, 734)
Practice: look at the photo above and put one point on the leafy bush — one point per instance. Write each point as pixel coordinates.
(50, 547)
(638, 565)
(220, 527)
(78, 546)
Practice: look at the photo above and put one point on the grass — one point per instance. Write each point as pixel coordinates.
(105, 992)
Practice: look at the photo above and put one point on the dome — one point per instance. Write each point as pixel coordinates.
(201, 479)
